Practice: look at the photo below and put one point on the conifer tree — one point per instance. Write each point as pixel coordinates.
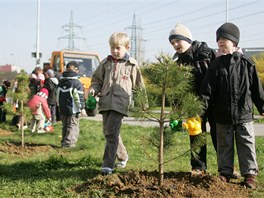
(172, 83)
(20, 96)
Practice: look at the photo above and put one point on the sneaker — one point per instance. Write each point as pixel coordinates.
(250, 181)
(196, 172)
(106, 171)
(235, 175)
(68, 145)
(41, 131)
(122, 164)
(224, 177)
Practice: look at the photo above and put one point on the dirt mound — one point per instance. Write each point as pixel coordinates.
(29, 148)
(145, 184)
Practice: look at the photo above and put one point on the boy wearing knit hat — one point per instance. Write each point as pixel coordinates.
(39, 108)
(198, 55)
(232, 85)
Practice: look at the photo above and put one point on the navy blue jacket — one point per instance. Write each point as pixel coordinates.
(70, 94)
(232, 85)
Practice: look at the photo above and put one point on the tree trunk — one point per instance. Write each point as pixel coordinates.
(22, 126)
(161, 146)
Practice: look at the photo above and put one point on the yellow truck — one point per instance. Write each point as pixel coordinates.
(87, 61)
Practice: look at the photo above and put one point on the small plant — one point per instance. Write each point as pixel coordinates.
(20, 97)
(174, 85)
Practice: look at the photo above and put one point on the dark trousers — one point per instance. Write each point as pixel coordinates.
(199, 162)
(2, 115)
(53, 112)
(114, 146)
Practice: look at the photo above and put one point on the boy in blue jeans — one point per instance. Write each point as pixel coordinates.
(232, 86)
(113, 81)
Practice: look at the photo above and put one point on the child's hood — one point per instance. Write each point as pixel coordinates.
(54, 80)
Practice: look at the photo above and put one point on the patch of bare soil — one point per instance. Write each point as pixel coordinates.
(5, 133)
(28, 149)
(145, 184)
(16, 148)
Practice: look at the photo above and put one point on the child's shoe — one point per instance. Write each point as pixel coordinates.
(122, 164)
(250, 181)
(197, 172)
(224, 177)
(107, 171)
(41, 131)
(235, 175)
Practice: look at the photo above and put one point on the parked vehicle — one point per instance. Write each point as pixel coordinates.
(87, 61)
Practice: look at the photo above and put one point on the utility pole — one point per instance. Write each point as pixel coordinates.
(37, 43)
(71, 36)
(136, 41)
(226, 10)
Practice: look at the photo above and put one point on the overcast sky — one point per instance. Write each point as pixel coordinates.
(99, 19)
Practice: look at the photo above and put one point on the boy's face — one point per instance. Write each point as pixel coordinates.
(225, 46)
(118, 52)
(180, 46)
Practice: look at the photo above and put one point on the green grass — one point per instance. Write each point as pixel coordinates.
(54, 173)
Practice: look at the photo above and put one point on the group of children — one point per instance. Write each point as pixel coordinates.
(228, 84)
(226, 81)
(43, 87)
(67, 94)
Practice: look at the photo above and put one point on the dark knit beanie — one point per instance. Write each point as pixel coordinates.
(229, 31)
(180, 32)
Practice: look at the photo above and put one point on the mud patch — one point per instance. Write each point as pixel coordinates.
(145, 184)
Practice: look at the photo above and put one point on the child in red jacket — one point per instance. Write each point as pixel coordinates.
(39, 108)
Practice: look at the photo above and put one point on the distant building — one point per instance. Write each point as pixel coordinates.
(9, 68)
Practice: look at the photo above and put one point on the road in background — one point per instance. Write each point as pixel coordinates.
(259, 128)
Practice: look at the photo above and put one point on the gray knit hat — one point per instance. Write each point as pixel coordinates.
(229, 31)
(180, 32)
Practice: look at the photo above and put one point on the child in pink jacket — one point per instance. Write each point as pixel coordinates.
(40, 110)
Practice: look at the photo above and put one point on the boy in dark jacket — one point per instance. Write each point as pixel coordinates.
(232, 85)
(198, 55)
(70, 98)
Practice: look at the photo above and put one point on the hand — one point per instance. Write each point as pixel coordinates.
(83, 112)
(92, 91)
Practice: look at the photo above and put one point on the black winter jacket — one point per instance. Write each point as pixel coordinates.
(232, 85)
(70, 94)
(199, 56)
(51, 84)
